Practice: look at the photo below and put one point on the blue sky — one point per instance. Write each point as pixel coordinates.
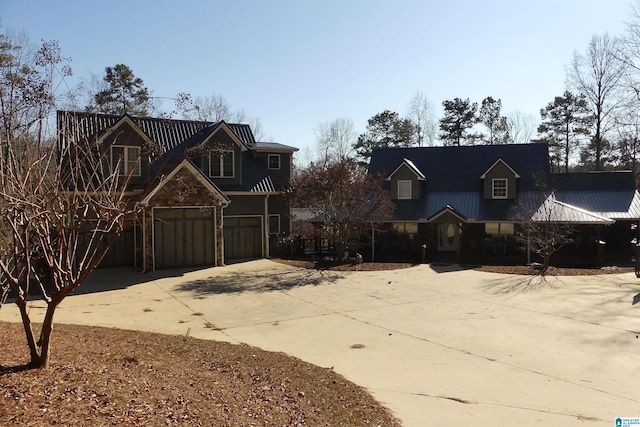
(295, 63)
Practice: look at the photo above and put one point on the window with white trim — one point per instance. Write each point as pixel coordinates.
(404, 189)
(221, 165)
(129, 158)
(274, 161)
(274, 224)
(499, 188)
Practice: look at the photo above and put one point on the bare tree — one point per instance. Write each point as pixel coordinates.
(597, 75)
(628, 138)
(256, 128)
(543, 230)
(61, 208)
(214, 108)
(345, 198)
(522, 127)
(210, 108)
(335, 139)
(628, 53)
(421, 112)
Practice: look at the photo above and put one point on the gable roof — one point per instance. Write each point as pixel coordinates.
(74, 126)
(447, 210)
(197, 173)
(408, 164)
(553, 210)
(500, 160)
(458, 169)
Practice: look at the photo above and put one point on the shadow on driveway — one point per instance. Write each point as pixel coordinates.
(515, 284)
(445, 267)
(111, 279)
(257, 281)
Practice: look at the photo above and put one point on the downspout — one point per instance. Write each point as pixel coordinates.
(144, 239)
(265, 245)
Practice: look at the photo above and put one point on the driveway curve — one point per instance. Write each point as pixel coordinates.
(437, 344)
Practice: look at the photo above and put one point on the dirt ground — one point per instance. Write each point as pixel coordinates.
(504, 269)
(103, 376)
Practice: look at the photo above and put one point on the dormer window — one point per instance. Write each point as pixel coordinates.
(404, 189)
(221, 165)
(499, 188)
(129, 158)
(274, 161)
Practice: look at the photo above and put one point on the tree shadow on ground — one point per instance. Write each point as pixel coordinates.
(521, 284)
(6, 370)
(444, 267)
(268, 281)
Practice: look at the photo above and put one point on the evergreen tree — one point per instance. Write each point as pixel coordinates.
(122, 93)
(565, 122)
(459, 117)
(385, 130)
(490, 115)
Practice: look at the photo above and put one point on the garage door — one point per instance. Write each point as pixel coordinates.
(122, 253)
(183, 237)
(242, 238)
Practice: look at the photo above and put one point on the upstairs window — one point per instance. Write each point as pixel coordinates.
(499, 188)
(129, 158)
(221, 165)
(274, 161)
(404, 189)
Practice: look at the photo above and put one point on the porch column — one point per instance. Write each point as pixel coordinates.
(373, 242)
(147, 240)
(528, 246)
(265, 238)
(219, 236)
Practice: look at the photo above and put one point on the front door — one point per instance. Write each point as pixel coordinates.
(448, 237)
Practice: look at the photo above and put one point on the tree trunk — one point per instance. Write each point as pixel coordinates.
(39, 350)
(45, 336)
(28, 330)
(545, 263)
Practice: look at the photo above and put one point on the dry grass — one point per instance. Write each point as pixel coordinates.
(554, 271)
(111, 377)
(505, 269)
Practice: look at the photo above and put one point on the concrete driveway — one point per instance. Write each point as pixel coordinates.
(438, 345)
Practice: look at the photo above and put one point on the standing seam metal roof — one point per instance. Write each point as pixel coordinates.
(167, 133)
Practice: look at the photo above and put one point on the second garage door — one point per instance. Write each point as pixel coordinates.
(242, 238)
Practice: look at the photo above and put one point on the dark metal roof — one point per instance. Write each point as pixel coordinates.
(611, 204)
(604, 181)
(455, 169)
(304, 214)
(553, 210)
(264, 186)
(74, 126)
(471, 205)
(453, 179)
